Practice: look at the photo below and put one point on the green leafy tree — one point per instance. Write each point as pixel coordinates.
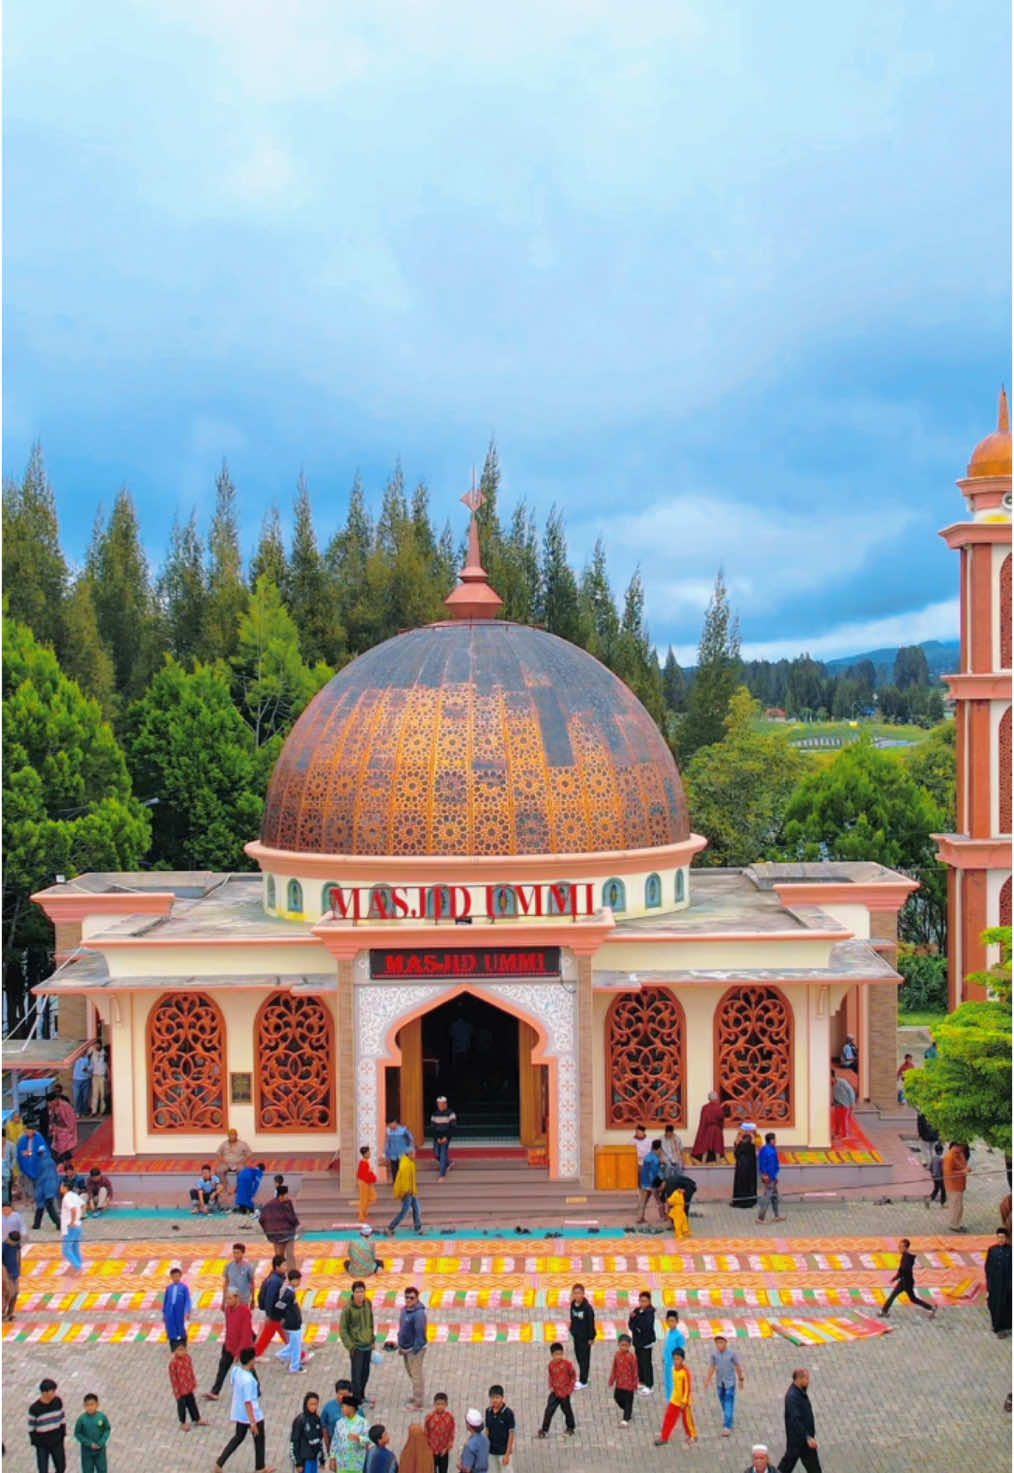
(933, 764)
(274, 682)
(310, 591)
(183, 590)
(67, 802)
(559, 609)
(188, 744)
(86, 658)
(270, 560)
(122, 594)
(739, 788)
(34, 567)
(227, 593)
(966, 1091)
(716, 676)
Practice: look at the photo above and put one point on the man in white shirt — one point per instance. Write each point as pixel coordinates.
(71, 1207)
(642, 1145)
(246, 1412)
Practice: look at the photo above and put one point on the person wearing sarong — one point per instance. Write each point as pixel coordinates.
(744, 1181)
(998, 1289)
(709, 1143)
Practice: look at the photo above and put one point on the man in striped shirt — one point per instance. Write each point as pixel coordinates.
(47, 1428)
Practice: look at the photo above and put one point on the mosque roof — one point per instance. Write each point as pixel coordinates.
(992, 456)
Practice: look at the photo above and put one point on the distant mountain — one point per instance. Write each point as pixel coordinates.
(942, 656)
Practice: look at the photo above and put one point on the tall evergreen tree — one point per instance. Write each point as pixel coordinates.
(559, 609)
(310, 591)
(121, 592)
(183, 590)
(393, 513)
(227, 593)
(274, 681)
(270, 561)
(516, 578)
(635, 660)
(34, 567)
(716, 676)
(598, 611)
(347, 555)
(911, 667)
(674, 685)
(86, 658)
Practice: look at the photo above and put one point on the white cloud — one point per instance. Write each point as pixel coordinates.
(266, 174)
(936, 621)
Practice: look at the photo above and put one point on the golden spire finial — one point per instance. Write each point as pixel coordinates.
(473, 598)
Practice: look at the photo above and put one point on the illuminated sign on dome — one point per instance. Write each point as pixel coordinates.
(484, 962)
(460, 902)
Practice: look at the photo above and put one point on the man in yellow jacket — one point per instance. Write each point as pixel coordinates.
(405, 1188)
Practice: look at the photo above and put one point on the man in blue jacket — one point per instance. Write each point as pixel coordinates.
(769, 1166)
(399, 1140)
(648, 1175)
(176, 1309)
(47, 1190)
(412, 1345)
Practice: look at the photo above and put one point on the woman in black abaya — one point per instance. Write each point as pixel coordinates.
(744, 1180)
(998, 1284)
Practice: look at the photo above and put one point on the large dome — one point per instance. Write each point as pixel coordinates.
(471, 738)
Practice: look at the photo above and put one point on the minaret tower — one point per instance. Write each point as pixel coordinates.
(979, 854)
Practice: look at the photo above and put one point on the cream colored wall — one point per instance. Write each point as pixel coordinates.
(130, 1074)
(308, 956)
(811, 1007)
(855, 917)
(710, 956)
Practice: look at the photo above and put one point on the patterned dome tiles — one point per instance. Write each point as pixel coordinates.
(474, 739)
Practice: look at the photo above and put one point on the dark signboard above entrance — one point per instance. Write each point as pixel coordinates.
(487, 962)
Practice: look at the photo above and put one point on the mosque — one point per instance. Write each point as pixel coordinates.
(475, 880)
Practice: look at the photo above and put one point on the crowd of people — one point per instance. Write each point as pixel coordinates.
(662, 1176)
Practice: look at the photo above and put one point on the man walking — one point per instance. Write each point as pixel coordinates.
(406, 1188)
(399, 1139)
(280, 1224)
(443, 1120)
(648, 1175)
(71, 1205)
(726, 1367)
(246, 1413)
(800, 1431)
(82, 1084)
(904, 1282)
(769, 1166)
(412, 1345)
(238, 1337)
(955, 1182)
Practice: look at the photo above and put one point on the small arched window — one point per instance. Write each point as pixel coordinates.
(681, 886)
(653, 892)
(326, 902)
(614, 894)
(438, 897)
(294, 897)
(505, 900)
(269, 891)
(381, 903)
(560, 898)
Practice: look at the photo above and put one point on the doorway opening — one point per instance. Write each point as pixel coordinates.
(470, 1054)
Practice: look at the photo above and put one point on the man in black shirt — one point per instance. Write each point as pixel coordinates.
(47, 1428)
(443, 1120)
(801, 1443)
(500, 1430)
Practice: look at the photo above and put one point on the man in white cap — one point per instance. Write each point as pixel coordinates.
(362, 1260)
(443, 1120)
(759, 1461)
(475, 1453)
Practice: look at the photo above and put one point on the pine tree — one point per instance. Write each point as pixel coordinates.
(34, 567)
(310, 592)
(274, 681)
(227, 593)
(674, 685)
(269, 561)
(86, 658)
(559, 609)
(716, 676)
(598, 610)
(183, 590)
(346, 557)
(393, 513)
(635, 660)
(516, 578)
(121, 592)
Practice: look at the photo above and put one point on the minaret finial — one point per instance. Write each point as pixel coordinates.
(1003, 413)
(473, 598)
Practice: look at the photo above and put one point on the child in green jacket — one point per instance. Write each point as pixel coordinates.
(92, 1431)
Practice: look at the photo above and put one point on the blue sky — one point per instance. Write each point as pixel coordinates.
(729, 282)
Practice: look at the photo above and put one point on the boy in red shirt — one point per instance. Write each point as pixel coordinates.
(440, 1432)
(562, 1380)
(367, 1179)
(183, 1380)
(624, 1378)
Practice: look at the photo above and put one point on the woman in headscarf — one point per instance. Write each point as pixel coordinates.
(416, 1456)
(709, 1144)
(744, 1180)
